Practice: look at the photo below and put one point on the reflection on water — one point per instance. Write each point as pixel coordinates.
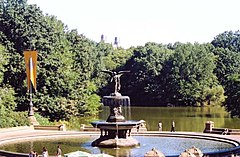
(186, 118)
(167, 145)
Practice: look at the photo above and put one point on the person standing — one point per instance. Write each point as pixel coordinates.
(173, 127)
(35, 154)
(45, 152)
(160, 126)
(59, 151)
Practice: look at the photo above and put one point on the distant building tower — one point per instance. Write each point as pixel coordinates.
(102, 38)
(116, 42)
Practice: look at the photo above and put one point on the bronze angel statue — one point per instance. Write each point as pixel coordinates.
(115, 76)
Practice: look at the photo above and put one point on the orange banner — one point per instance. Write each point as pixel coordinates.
(31, 68)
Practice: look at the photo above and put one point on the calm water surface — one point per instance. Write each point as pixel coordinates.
(186, 118)
(167, 145)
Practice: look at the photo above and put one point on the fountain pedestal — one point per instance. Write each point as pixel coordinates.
(115, 131)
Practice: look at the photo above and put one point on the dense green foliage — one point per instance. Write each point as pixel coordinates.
(228, 68)
(182, 75)
(69, 77)
(8, 117)
(233, 95)
(64, 86)
(229, 40)
(69, 64)
(146, 67)
(190, 74)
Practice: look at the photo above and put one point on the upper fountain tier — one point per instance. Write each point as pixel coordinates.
(116, 100)
(115, 103)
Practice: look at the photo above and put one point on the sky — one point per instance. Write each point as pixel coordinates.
(136, 22)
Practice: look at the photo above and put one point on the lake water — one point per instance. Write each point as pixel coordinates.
(185, 118)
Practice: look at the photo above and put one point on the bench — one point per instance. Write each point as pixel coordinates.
(209, 128)
(50, 127)
(234, 131)
(221, 131)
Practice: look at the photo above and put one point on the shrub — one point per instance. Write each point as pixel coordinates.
(42, 120)
(13, 119)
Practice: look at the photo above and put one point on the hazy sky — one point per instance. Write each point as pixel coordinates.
(136, 22)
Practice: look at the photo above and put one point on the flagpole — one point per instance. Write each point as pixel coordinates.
(30, 112)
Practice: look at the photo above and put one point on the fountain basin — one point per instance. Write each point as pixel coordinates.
(116, 134)
(126, 125)
(116, 100)
(72, 141)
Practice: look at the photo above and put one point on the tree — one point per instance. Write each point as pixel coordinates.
(8, 118)
(20, 28)
(189, 75)
(87, 62)
(61, 68)
(233, 95)
(228, 39)
(228, 63)
(146, 66)
(7, 98)
(228, 68)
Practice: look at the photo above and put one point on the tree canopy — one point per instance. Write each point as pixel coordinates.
(69, 77)
(228, 68)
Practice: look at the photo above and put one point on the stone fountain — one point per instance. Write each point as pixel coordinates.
(116, 130)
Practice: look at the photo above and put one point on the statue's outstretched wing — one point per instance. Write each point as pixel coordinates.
(108, 72)
(124, 71)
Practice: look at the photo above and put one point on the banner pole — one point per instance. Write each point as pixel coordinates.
(30, 112)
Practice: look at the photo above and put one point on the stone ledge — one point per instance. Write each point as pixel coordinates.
(221, 131)
(50, 127)
(88, 128)
(12, 154)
